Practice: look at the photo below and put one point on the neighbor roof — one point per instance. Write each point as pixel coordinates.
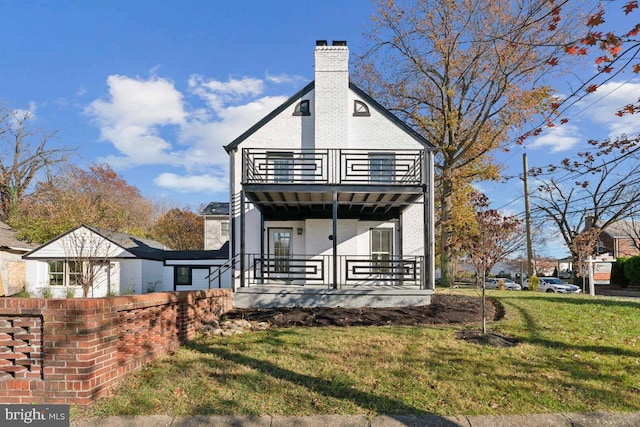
(9, 240)
(216, 208)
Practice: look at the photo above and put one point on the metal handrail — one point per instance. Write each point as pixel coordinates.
(223, 268)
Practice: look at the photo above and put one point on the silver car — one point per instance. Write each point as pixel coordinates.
(553, 284)
(509, 285)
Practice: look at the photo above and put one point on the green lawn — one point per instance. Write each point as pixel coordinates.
(575, 354)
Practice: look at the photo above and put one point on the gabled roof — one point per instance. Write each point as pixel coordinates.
(143, 248)
(234, 144)
(368, 99)
(623, 229)
(138, 246)
(9, 241)
(216, 208)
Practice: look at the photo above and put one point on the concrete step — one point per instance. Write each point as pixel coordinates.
(268, 296)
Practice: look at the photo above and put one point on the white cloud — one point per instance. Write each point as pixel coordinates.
(558, 138)
(284, 79)
(151, 122)
(217, 94)
(192, 183)
(600, 108)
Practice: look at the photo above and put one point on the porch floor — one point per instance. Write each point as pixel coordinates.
(270, 296)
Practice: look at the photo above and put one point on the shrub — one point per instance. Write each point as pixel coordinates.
(617, 273)
(632, 269)
(46, 293)
(534, 283)
(70, 293)
(24, 293)
(501, 284)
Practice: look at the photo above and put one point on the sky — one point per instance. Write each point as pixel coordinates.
(157, 88)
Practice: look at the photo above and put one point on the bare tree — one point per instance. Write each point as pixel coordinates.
(601, 186)
(23, 154)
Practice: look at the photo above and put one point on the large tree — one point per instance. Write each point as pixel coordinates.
(24, 154)
(465, 74)
(95, 196)
(180, 229)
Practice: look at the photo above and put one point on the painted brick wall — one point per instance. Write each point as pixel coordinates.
(72, 351)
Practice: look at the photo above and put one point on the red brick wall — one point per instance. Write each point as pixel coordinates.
(72, 351)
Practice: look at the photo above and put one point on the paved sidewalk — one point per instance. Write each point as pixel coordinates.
(596, 419)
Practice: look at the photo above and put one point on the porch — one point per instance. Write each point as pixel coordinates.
(269, 296)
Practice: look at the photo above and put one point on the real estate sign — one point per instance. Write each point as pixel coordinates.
(602, 273)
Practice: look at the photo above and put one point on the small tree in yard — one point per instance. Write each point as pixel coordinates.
(534, 283)
(86, 254)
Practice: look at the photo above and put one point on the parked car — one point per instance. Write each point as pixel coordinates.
(509, 285)
(553, 284)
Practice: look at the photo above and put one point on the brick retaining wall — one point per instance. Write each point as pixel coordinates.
(71, 351)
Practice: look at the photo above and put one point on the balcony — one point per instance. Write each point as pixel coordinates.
(303, 183)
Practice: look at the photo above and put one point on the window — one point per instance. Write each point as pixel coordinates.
(56, 273)
(382, 167)
(302, 109)
(360, 109)
(224, 228)
(182, 275)
(281, 166)
(65, 273)
(381, 249)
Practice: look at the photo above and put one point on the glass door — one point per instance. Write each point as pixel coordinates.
(280, 251)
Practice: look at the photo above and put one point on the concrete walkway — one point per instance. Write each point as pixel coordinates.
(596, 419)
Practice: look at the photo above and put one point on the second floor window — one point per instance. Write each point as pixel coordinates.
(280, 166)
(381, 167)
(224, 228)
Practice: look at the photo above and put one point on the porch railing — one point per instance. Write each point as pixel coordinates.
(351, 270)
(333, 166)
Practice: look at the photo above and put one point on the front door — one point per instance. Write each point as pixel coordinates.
(280, 251)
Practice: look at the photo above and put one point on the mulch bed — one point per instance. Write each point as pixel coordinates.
(443, 309)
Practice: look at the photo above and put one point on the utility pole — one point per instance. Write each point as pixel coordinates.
(527, 216)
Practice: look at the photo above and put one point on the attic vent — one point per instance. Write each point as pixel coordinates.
(302, 109)
(360, 109)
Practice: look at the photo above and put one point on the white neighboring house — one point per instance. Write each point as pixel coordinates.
(117, 264)
(331, 189)
(216, 225)
(12, 266)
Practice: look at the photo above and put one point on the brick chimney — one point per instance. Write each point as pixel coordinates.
(331, 94)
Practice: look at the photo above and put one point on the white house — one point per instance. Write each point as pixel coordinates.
(331, 190)
(216, 225)
(12, 266)
(118, 264)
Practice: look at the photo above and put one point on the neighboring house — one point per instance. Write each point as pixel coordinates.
(12, 266)
(618, 239)
(332, 189)
(120, 263)
(216, 225)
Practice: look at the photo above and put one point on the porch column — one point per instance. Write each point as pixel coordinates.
(429, 224)
(335, 240)
(261, 248)
(242, 237)
(232, 217)
(400, 250)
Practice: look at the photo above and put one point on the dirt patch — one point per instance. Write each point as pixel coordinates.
(444, 309)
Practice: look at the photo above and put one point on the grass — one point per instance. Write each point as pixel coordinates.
(575, 354)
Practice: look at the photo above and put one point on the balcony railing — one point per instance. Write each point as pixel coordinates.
(351, 270)
(333, 166)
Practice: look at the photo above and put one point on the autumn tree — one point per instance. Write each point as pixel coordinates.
(25, 152)
(465, 76)
(180, 229)
(495, 237)
(95, 196)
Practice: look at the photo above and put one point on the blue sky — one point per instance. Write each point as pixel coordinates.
(156, 88)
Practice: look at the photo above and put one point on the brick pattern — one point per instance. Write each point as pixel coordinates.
(72, 351)
(20, 347)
